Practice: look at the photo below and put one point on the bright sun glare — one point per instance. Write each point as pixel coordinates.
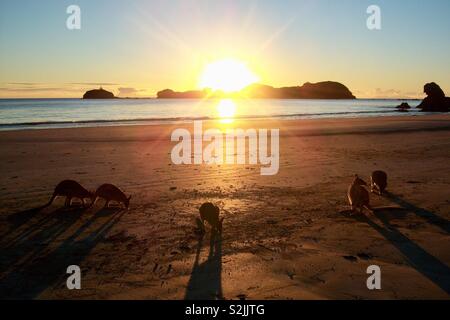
(228, 75)
(226, 108)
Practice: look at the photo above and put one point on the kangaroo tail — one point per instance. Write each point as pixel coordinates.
(50, 201)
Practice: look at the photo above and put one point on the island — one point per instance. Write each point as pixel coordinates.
(98, 94)
(319, 90)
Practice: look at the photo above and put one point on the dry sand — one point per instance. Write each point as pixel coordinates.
(284, 236)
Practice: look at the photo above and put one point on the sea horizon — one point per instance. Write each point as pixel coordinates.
(45, 113)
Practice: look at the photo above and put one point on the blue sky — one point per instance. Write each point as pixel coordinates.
(140, 47)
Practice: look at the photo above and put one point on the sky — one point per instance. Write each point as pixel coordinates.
(138, 47)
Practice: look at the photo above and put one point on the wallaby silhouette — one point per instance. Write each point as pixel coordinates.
(110, 192)
(70, 189)
(358, 196)
(210, 213)
(378, 182)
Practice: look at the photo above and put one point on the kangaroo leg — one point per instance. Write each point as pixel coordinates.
(374, 188)
(93, 202)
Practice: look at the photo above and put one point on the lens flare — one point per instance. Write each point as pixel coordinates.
(228, 75)
(226, 109)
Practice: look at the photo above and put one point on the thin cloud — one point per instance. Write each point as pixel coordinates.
(95, 84)
(129, 91)
(380, 93)
(38, 89)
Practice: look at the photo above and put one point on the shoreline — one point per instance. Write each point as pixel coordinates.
(173, 121)
(304, 127)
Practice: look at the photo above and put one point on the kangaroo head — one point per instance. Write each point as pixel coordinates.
(208, 210)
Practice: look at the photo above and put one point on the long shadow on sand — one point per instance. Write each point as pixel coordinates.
(205, 282)
(32, 277)
(418, 258)
(23, 216)
(17, 219)
(27, 243)
(429, 216)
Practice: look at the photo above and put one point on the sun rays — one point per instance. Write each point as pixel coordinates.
(228, 75)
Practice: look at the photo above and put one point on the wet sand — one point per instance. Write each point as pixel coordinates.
(286, 236)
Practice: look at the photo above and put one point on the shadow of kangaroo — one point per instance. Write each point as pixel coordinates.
(34, 240)
(420, 212)
(40, 227)
(418, 258)
(19, 219)
(36, 276)
(205, 282)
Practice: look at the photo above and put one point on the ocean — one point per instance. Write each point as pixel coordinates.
(17, 114)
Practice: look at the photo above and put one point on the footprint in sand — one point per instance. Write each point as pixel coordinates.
(364, 256)
(351, 258)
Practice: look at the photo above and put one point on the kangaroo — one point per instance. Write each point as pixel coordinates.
(210, 213)
(110, 192)
(358, 196)
(70, 189)
(378, 182)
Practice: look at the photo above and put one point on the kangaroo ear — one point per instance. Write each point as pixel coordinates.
(221, 220)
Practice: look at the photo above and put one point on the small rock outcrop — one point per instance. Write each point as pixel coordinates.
(98, 94)
(403, 107)
(193, 94)
(436, 101)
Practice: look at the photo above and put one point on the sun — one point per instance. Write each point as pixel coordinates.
(228, 75)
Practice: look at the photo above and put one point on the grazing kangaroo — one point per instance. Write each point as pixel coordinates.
(358, 196)
(70, 189)
(210, 213)
(378, 182)
(110, 192)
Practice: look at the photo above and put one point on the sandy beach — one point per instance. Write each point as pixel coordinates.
(286, 236)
